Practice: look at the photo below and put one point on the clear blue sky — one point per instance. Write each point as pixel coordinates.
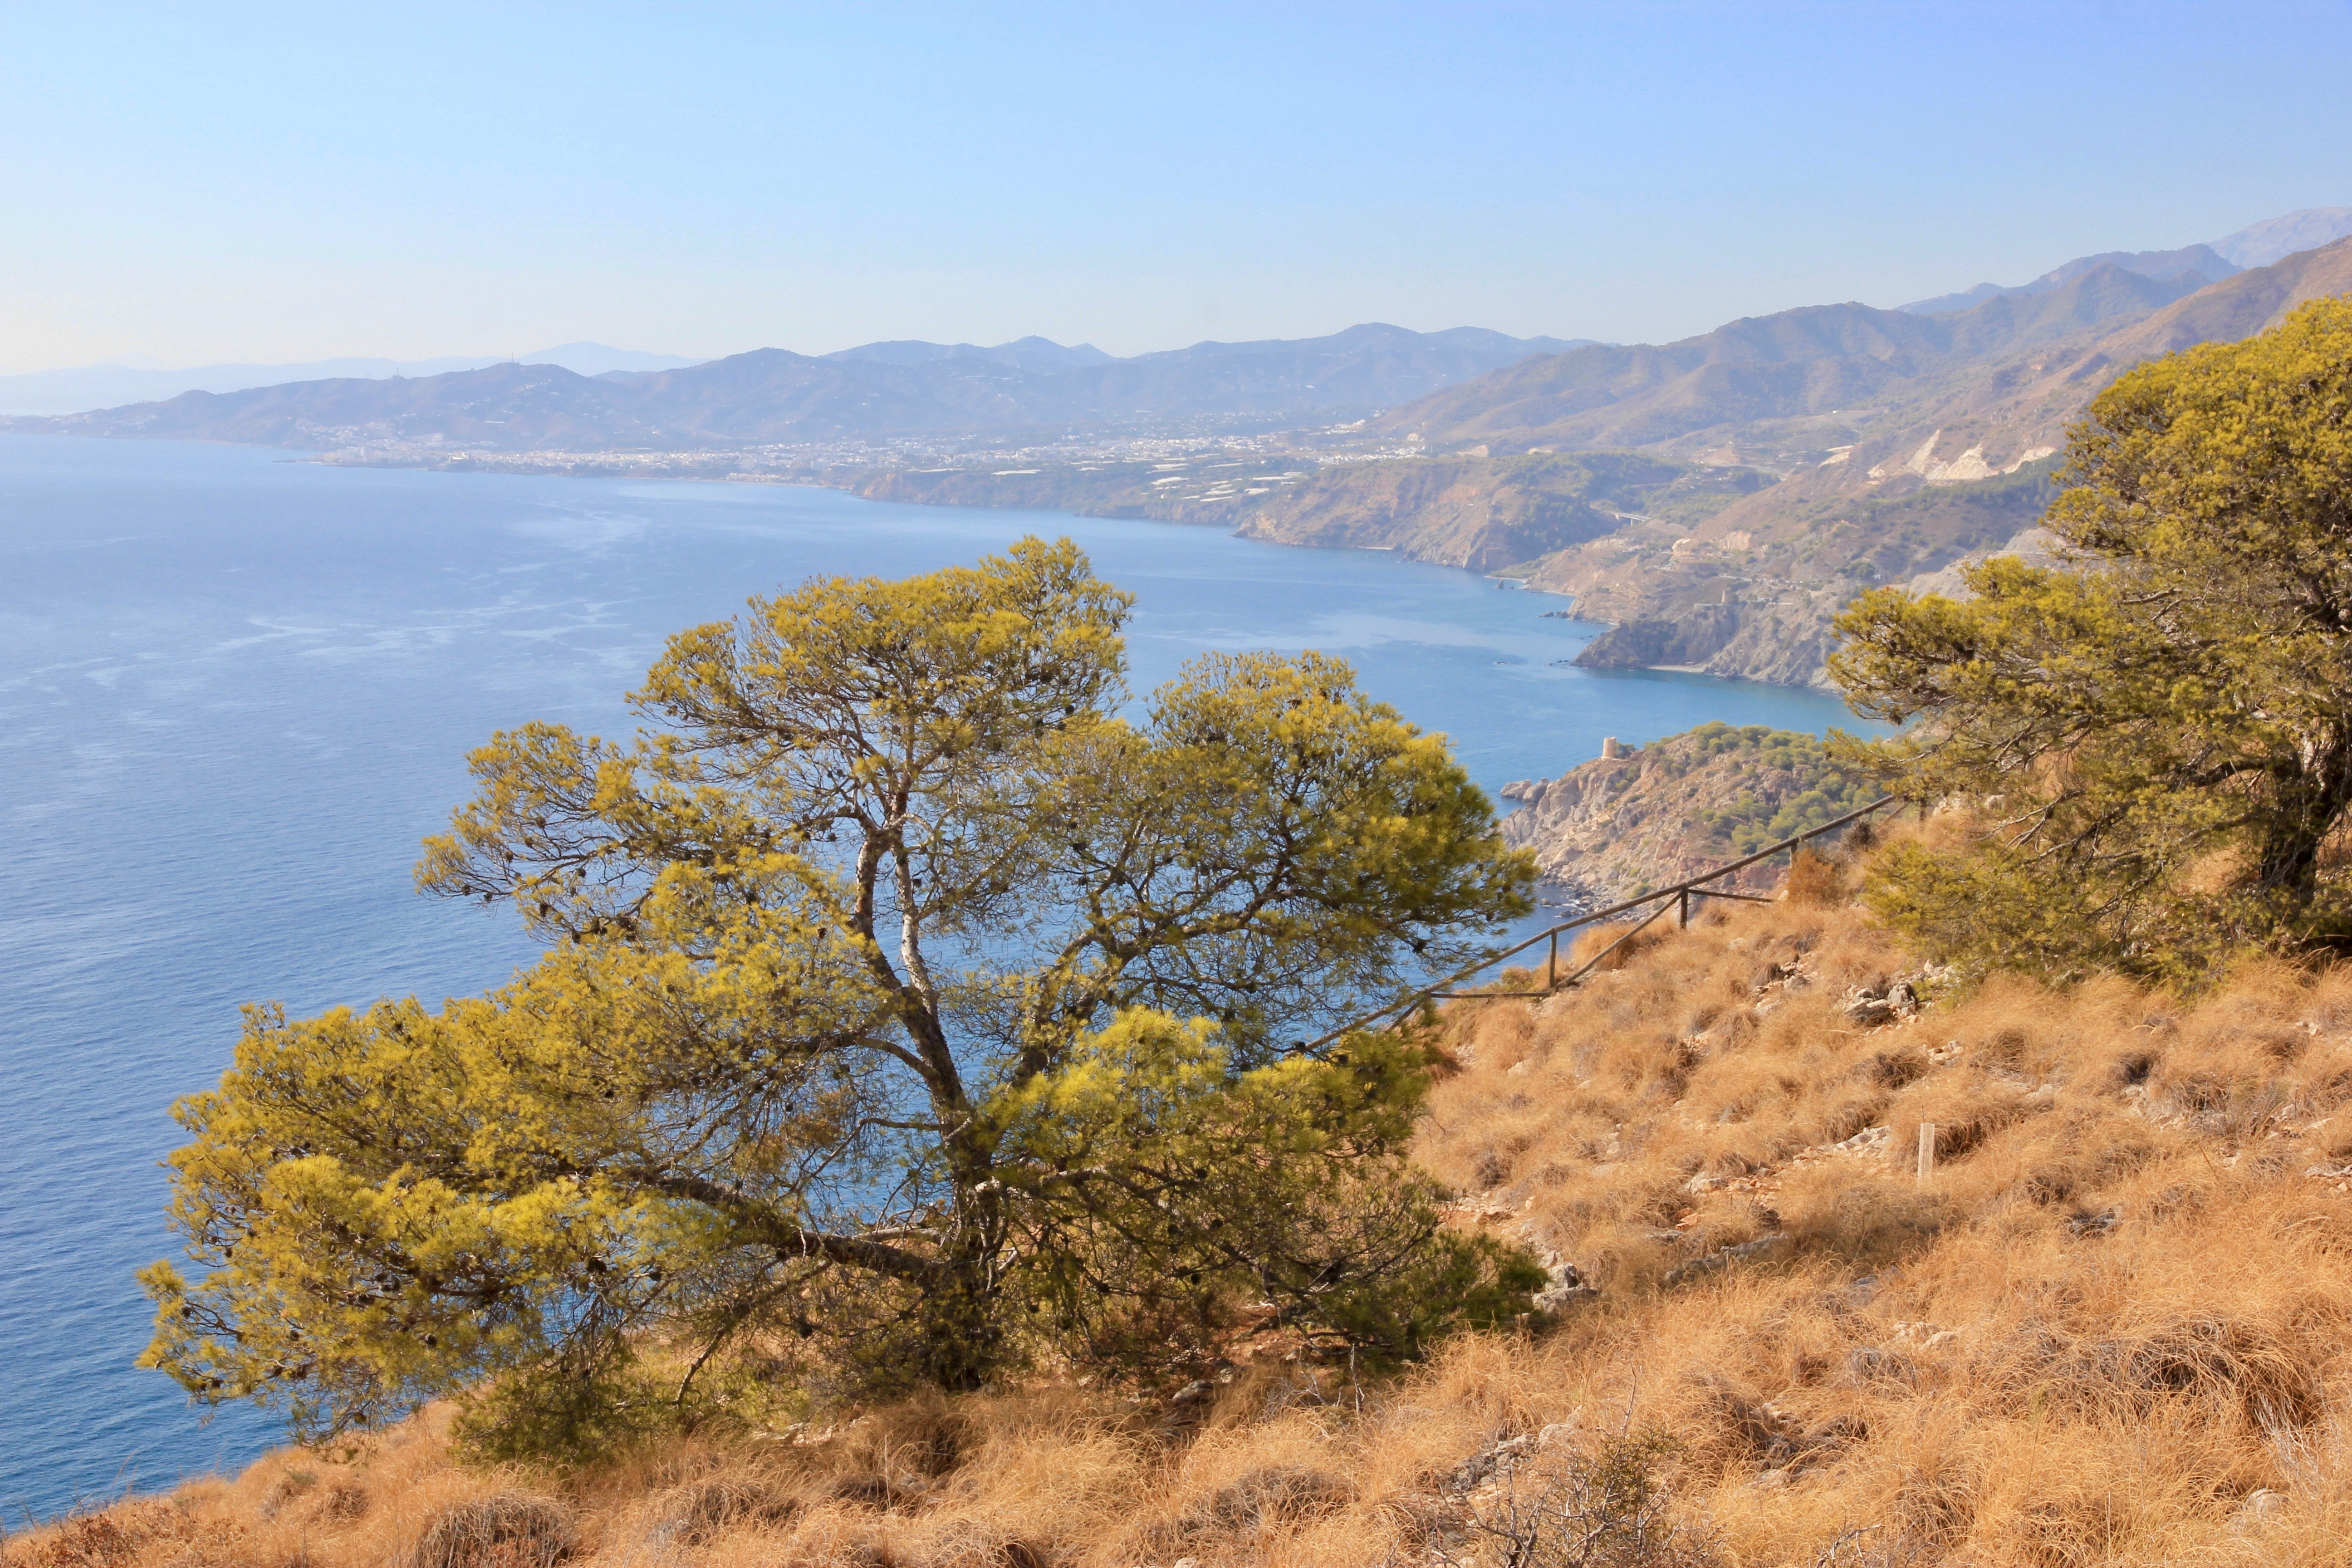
(190, 184)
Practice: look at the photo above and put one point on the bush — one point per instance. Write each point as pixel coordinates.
(1607, 1507)
(504, 1530)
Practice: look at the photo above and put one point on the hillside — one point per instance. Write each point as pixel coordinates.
(2107, 1330)
(2205, 263)
(2028, 403)
(1849, 386)
(1820, 363)
(2274, 239)
(1489, 513)
(1615, 826)
(1959, 466)
(2256, 245)
(1751, 592)
(771, 395)
(1217, 490)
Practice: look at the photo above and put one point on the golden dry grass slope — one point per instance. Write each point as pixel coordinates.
(2109, 1328)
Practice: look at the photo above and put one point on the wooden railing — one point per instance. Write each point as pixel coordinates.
(1676, 897)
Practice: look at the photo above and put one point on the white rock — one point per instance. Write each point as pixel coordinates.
(2262, 1507)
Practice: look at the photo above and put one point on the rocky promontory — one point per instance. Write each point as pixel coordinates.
(1637, 818)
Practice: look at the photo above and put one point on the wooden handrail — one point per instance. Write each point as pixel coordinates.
(1682, 890)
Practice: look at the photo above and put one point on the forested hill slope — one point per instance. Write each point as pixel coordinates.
(1615, 826)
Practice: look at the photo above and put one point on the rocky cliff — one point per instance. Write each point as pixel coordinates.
(1609, 828)
(1779, 632)
(1750, 593)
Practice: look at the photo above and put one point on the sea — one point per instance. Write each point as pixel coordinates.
(237, 686)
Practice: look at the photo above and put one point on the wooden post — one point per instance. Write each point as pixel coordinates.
(1926, 1152)
(1683, 919)
(1552, 965)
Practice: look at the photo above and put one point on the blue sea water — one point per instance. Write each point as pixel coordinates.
(235, 690)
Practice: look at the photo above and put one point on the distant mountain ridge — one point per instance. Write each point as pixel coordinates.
(2256, 245)
(2200, 263)
(1814, 360)
(106, 385)
(771, 395)
(1028, 354)
(2276, 238)
(1720, 498)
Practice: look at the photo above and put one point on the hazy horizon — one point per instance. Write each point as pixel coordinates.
(271, 185)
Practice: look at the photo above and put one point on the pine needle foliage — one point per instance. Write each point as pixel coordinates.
(907, 1017)
(2159, 733)
(1795, 785)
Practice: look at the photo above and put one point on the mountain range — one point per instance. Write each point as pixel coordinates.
(1815, 362)
(1716, 499)
(2193, 265)
(2256, 245)
(104, 385)
(773, 397)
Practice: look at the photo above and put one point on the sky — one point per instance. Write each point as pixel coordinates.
(190, 184)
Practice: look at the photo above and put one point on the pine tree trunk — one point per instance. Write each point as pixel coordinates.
(2311, 809)
(962, 1342)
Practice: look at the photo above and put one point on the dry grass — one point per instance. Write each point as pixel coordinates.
(2111, 1329)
